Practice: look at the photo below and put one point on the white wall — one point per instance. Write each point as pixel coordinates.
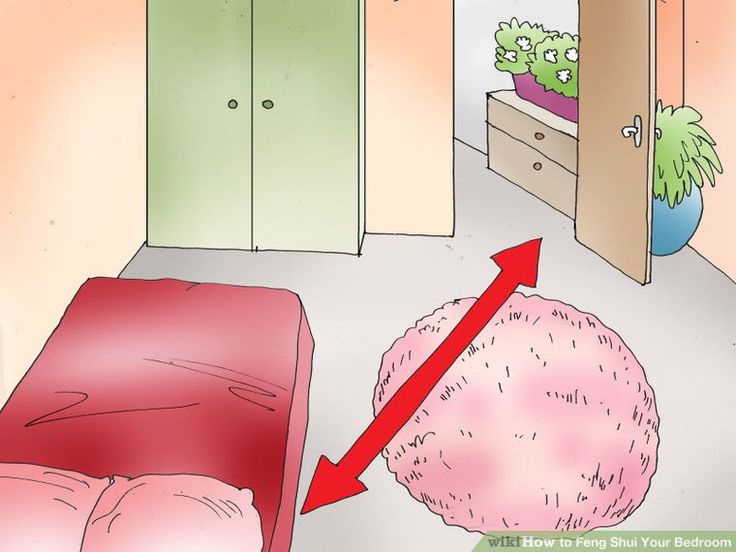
(476, 22)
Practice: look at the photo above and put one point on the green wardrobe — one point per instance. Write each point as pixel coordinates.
(255, 134)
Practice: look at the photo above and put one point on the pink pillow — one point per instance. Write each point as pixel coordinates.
(185, 513)
(44, 509)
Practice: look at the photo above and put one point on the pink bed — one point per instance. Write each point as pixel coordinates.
(170, 377)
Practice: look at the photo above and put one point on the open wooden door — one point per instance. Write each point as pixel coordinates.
(615, 132)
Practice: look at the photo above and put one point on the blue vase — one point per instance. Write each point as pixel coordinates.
(672, 227)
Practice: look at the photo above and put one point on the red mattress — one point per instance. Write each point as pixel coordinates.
(166, 376)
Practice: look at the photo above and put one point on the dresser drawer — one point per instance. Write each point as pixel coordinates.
(546, 132)
(529, 169)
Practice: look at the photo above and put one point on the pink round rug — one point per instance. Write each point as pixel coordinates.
(545, 423)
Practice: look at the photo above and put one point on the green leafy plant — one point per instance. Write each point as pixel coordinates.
(683, 152)
(515, 43)
(554, 64)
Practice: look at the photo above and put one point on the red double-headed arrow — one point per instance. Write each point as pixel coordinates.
(334, 482)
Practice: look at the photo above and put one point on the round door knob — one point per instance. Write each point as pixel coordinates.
(232, 104)
(537, 166)
(268, 104)
(539, 135)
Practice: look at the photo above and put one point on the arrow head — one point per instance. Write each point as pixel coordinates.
(521, 262)
(330, 484)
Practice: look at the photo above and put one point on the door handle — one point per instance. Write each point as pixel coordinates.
(267, 104)
(633, 131)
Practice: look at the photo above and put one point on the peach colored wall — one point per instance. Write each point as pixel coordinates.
(409, 117)
(72, 159)
(670, 51)
(710, 86)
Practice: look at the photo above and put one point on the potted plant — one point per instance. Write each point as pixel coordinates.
(683, 153)
(543, 64)
(515, 43)
(554, 67)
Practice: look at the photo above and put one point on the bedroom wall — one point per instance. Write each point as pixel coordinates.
(72, 160)
(476, 22)
(710, 85)
(670, 51)
(409, 118)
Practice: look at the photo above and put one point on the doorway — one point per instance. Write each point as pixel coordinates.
(582, 165)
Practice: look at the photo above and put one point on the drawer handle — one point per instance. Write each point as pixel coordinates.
(539, 136)
(537, 166)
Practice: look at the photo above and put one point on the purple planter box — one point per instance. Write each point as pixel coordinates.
(529, 89)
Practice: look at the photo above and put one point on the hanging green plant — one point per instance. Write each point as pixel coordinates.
(554, 64)
(683, 152)
(515, 43)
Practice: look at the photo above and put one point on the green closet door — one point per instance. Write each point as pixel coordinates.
(199, 140)
(306, 125)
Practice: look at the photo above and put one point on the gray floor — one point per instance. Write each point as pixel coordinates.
(682, 328)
